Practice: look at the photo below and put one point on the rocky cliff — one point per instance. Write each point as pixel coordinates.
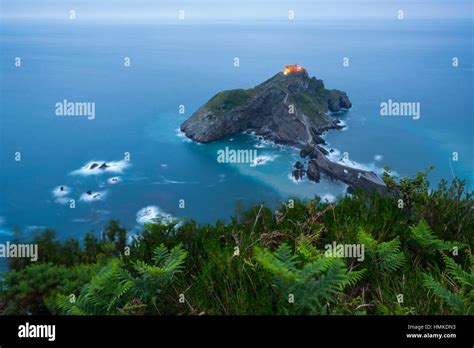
(287, 109)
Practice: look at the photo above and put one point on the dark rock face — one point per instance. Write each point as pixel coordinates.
(323, 150)
(312, 151)
(338, 102)
(299, 171)
(308, 151)
(298, 165)
(287, 109)
(357, 179)
(313, 172)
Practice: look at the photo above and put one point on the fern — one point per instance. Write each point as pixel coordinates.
(305, 247)
(383, 257)
(422, 236)
(456, 272)
(156, 277)
(458, 297)
(282, 263)
(114, 286)
(315, 284)
(106, 289)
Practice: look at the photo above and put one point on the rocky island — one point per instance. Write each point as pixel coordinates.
(290, 108)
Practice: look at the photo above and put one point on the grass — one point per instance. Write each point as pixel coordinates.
(267, 262)
(228, 100)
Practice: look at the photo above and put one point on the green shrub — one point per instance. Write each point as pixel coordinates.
(311, 282)
(115, 288)
(252, 264)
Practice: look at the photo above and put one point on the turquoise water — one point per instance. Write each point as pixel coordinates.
(137, 112)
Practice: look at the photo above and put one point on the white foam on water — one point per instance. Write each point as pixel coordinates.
(328, 198)
(262, 143)
(63, 200)
(292, 178)
(262, 160)
(166, 181)
(61, 196)
(81, 220)
(114, 180)
(112, 167)
(180, 134)
(175, 182)
(94, 196)
(57, 192)
(260, 146)
(337, 157)
(343, 124)
(378, 157)
(151, 214)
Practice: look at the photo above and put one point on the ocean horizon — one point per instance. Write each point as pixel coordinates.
(231, 161)
(174, 67)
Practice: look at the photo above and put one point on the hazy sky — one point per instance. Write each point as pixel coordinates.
(222, 10)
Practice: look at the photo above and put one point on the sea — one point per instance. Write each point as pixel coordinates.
(146, 79)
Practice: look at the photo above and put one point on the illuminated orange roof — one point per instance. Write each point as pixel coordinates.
(292, 68)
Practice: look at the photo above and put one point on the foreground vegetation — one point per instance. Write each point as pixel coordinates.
(417, 260)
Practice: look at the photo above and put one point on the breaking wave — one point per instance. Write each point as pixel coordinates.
(100, 167)
(93, 196)
(151, 214)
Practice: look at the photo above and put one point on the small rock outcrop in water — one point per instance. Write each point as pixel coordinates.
(96, 165)
(356, 179)
(290, 108)
(298, 171)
